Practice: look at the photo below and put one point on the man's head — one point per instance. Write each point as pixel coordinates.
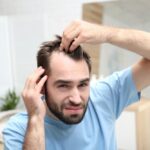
(67, 86)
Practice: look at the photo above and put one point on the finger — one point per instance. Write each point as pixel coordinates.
(66, 40)
(30, 78)
(26, 84)
(41, 83)
(35, 77)
(69, 34)
(69, 40)
(75, 43)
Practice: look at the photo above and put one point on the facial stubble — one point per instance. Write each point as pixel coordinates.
(58, 113)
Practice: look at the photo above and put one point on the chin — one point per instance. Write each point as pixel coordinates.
(73, 119)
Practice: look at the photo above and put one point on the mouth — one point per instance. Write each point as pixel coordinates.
(73, 110)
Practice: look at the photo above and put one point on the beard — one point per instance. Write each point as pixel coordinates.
(68, 119)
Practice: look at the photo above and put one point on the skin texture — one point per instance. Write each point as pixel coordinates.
(36, 111)
(65, 91)
(68, 88)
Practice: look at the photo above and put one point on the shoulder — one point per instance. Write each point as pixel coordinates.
(16, 122)
(115, 92)
(19, 117)
(14, 131)
(113, 82)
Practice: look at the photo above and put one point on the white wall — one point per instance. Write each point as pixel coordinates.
(29, 24)
(6, 72)
(21, 33)
(25, 27)
(27, 33)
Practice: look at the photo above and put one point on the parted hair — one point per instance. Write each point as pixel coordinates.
(47, 48)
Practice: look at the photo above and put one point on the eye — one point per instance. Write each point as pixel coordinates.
(84, 84)
(63, 86)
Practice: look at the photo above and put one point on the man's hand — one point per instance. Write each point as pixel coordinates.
(79, 32)
(35, 136)
(133, 40)
(32, 94)
(83, 32)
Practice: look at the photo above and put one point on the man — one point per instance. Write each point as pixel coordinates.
(76, 115)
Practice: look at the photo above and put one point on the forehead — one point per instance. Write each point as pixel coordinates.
(62, 66)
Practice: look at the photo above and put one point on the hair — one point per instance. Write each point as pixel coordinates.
(47, 48)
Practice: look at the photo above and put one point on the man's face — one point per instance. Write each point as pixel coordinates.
(67, 88)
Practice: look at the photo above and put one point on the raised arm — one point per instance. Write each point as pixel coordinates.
(35, 136)
(79, 32)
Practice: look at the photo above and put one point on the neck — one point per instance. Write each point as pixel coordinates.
(50, 114)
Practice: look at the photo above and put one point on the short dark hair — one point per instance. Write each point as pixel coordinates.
(47, 48)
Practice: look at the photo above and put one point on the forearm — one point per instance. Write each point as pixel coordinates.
(35, 134)
(84, 32)
(133, 40)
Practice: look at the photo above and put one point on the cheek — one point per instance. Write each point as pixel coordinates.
(87, 92)
(85, 95)
(56, 97)
(86, 98)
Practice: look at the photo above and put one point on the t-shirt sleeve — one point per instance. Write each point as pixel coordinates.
(115, 92)
(13, 134)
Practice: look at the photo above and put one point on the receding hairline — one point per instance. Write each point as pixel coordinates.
(50, 47)
(54, 53)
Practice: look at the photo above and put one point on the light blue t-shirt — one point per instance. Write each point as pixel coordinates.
(96, 131)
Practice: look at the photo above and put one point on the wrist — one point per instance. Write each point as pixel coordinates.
(36, 113)
(104, 34)
(34, 119)
(113, 35)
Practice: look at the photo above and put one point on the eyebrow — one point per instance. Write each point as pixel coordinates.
(70, 81)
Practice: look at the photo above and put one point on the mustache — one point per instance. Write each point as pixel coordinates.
(72, 104)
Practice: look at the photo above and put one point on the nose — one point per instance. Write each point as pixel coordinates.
(75, 97)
